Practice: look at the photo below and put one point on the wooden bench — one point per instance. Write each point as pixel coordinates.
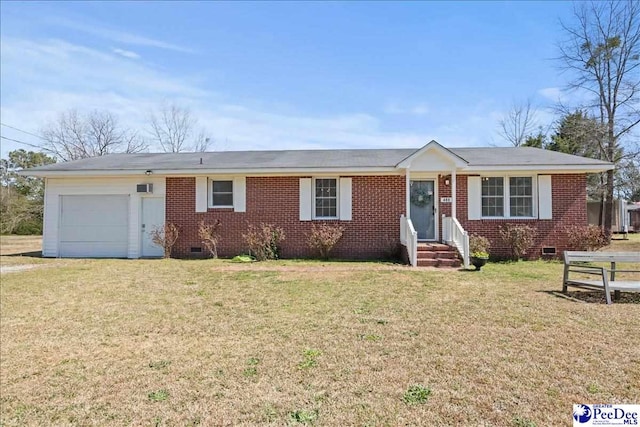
(578, 262)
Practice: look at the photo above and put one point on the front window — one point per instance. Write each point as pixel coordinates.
(512, 200)
(493, 196)
(222, 193)
(326, 197)
(521, 196)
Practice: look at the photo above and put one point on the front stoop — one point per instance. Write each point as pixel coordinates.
(437, 255)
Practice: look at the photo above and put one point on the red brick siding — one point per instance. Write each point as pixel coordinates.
(569, 207)
(377, 203)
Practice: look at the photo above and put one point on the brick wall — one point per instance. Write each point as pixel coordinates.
(569, 194)
(377, 203)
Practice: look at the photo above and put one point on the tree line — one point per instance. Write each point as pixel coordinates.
(601, 54)
(73, 136)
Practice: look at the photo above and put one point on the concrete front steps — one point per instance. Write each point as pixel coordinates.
(437, 255)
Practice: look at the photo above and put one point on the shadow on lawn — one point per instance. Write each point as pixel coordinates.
(595, 297)
(31, 254)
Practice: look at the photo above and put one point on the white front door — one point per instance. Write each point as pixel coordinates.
(152, 217)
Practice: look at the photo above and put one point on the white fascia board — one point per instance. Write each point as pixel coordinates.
(538, 169)
(209, 172)
(433, 145)
(314, 171)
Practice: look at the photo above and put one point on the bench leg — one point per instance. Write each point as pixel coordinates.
(605, 282)
(616, 295)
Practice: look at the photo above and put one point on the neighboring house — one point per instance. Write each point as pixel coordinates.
(633, 212)
(106, 206)
(622, 215)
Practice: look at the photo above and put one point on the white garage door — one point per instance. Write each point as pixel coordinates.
(94, 226)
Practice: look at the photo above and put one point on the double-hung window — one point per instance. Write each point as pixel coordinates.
(326, 198)
(520, 196)
(507, 197)
(493, 196)
(222, 193)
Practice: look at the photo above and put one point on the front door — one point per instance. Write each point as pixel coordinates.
(422, 214)
(152, 217)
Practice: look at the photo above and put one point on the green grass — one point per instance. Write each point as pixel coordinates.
(170, 342)
(416, 394)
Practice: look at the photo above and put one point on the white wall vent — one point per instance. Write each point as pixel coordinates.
(144, 188)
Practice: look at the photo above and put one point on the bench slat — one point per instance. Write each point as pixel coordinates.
(574, 263)
(577, 256)
(631, 286)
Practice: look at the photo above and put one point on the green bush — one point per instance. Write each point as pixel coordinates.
(479, 246)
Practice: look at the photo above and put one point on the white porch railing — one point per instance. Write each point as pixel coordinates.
(454, 234)
(409, 238)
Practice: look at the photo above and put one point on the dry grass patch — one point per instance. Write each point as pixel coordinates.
(14, 245)
(168, 342)
(19, 253)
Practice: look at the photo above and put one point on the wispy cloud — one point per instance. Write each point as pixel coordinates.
(413, 110)
(30, 65)
(237, 128)
(120, 36)
(552, 93)
(42, 78)
(55, 75)
(126, 53)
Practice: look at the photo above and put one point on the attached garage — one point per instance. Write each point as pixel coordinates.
(94, 226)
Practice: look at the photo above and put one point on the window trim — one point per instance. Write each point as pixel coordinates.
(506, 194)
(313, 199)
(210, 204)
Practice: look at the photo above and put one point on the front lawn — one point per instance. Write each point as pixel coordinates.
(170, 342)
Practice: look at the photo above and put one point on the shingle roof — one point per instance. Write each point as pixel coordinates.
(239, 160)
(520, 156)
(301, 159)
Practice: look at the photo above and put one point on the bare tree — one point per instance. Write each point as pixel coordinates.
(74, 136)
(166, 237)
(174, 129)
(518, 124)
(602, 51)
(210, 236)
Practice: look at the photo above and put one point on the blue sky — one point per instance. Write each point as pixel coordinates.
(285, 75)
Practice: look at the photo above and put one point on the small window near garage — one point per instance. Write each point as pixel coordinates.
(326, 198)
(222, 194)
